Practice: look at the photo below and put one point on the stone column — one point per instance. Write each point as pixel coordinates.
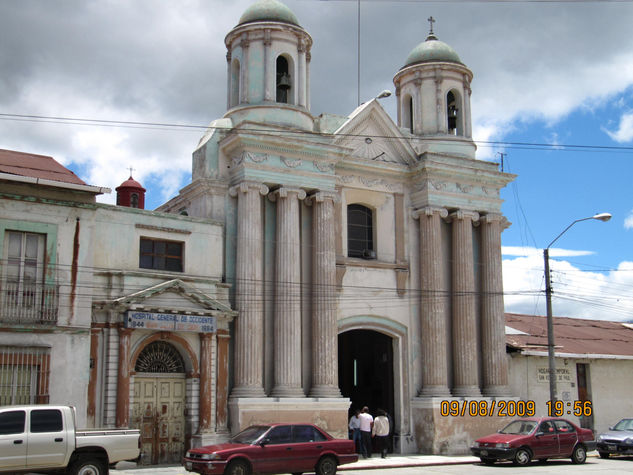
(300, 80)
(324, 327)
(465, 382)
(249, 291)
(92, 382)
(495, 365)
(123, 379)
(269, 69)
(441, 125)
(222, 386)
(467, 122)
(433, 304)
(229, 77)
(287, 323)
(206, 381)
(308, 59)
(244, 68)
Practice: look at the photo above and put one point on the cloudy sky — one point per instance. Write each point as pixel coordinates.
(552, 92)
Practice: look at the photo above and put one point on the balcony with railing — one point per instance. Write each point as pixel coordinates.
(28, 303)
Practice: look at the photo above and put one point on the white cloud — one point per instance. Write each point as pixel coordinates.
(531, 251)
(628, 221)
(624, 133)
(576, 293)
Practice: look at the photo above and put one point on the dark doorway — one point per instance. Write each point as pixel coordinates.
(365, 370)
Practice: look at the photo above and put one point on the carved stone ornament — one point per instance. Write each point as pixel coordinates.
(439, 185)
(463, 188)
(347, 179)
(324, 167)
(256, 157)
(290, 163)
(429, 211)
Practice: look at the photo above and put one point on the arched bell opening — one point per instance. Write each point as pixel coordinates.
(407, 116)
(284, 80)
(454, 113)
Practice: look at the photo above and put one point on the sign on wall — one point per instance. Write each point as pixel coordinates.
(171, 322)
(563, 375)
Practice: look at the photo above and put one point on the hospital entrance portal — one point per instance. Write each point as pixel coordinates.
(365, 370)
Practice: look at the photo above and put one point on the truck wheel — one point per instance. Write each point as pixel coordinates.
(326, 466)
(88, 465)
(579, 455)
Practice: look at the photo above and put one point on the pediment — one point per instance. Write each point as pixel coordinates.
(371, 135)
(174, 295)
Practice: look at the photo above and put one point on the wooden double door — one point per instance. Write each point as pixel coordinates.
(158, 411)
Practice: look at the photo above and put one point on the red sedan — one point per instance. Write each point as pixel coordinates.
(273, 448)
(539, 438)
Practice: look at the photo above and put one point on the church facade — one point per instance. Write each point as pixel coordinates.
(363, 254)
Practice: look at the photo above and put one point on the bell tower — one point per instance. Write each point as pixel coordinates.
(268, 61)
(433, 94)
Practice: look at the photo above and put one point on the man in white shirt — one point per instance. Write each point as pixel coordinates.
(380, 430)
(366, 423)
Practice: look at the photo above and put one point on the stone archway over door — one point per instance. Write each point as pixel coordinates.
(158, 403)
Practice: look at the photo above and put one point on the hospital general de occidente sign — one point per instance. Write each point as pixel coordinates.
(171, 322)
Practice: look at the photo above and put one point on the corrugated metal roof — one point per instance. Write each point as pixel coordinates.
(36, 166)
(571, 335)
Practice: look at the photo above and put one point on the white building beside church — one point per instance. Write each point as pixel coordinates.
(364, 253)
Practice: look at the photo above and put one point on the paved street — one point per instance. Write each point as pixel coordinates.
(433, 464)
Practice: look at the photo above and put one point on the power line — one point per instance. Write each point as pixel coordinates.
(294, 133)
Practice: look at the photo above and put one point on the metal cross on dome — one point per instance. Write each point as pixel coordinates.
(431, 20)
(131, 170)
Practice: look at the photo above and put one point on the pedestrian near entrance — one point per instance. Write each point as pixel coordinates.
(380, 431)
(354, 427)
(366, 423)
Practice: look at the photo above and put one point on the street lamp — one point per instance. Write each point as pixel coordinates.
(548, 297)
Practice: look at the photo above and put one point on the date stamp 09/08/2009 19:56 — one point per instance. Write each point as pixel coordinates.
(512, 408)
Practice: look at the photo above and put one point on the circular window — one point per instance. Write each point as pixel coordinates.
(159, 357)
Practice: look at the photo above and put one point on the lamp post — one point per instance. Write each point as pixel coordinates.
(548, 297)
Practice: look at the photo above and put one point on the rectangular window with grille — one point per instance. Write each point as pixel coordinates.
(161, 255)
(25, 298)
(24, 375)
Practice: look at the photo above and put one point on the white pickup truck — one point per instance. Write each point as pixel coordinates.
(42, 438)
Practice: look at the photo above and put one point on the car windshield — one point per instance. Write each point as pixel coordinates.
(249, 435)
(519, 427)
(624, 424)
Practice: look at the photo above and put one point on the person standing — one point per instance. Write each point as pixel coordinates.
(354, 427)
(366, 424)
(380, 430)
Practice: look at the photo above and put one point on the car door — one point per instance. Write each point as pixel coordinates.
(545, 441)
(47, 441)
(567, 437)
(13, 440)
(275, 454)
(308, 444)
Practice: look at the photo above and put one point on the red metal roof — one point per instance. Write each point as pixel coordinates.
(36, 166)
(571, 335)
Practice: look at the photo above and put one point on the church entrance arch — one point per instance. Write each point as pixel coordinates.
(366, 369)
(158, 403)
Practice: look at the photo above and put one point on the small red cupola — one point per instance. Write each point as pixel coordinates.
(131, 194)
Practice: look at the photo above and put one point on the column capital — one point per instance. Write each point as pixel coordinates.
(429, 211)
(245, 186)
(321, 196)
(284, 191)
(496, 217)
(464, 214)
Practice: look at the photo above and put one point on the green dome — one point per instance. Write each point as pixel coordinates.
(269, 10)
(432, 50)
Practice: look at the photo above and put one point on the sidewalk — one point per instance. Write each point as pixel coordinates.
(375, 462)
